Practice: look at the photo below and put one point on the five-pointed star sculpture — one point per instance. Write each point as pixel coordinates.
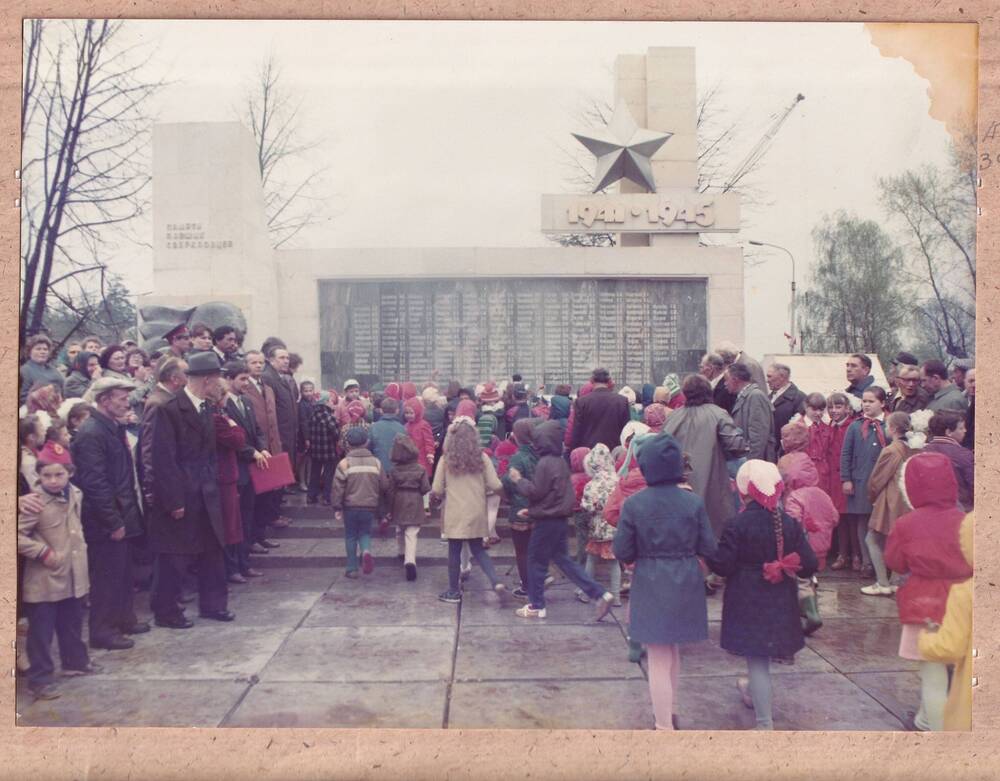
(623, 150)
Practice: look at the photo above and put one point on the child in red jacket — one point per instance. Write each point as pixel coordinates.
(581, 521)
(925, 544)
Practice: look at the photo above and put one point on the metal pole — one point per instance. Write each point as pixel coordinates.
(791, 330)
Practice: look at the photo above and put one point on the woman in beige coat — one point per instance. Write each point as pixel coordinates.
(886, 496)
(462, 481)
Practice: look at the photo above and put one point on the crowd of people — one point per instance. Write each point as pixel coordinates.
(730, 478)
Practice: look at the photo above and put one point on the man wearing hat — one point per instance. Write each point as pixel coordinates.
(179, 340)
(110, 513)
(183, 494)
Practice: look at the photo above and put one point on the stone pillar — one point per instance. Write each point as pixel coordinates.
(210, 240)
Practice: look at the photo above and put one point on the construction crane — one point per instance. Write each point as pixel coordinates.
(761, 147)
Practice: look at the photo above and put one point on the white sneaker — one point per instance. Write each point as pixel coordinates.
(527, 611)
(603, 605)
(581, 596)
(549, 580)
(875, 590)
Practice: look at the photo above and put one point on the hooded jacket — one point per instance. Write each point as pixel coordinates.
(807, 502)
(578, 475)
(550, 492)
(663, 529)
(560, 409)
(408, 482)
(925, 541)
(524, 461)
(420, 431)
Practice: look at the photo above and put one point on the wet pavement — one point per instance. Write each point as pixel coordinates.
(311, 648)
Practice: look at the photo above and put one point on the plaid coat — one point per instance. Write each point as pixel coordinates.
(324, 434)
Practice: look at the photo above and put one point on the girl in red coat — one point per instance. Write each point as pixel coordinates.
(820, 433)
(925, 544)
(419, 430)
(848, 546)
(229, 438)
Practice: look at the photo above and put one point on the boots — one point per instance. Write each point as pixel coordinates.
(635, 651)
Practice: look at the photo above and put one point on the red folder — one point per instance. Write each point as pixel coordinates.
(277, 475)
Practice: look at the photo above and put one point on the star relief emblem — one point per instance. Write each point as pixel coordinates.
(623, 150)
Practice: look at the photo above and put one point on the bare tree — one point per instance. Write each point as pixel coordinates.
(936, 210)
(85, 168)
(292, 198)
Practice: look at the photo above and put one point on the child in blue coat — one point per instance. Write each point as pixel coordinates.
(663, 529)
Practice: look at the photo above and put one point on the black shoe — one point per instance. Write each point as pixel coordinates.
(112, 643)
(270, 544)
(174, 622)
(400, 557)
(138, 628)
(311, 502)
(219, 615)
(411, 571)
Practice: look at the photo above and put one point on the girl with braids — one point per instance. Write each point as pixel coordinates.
(463, 480)
(761, 553)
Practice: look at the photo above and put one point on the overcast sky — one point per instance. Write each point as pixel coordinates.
(459, 125)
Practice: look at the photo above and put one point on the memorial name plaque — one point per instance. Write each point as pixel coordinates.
(549, 330)
(667, 211)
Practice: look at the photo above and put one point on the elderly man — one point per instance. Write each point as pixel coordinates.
(786, 399)
(908, 397)
(267, 506)
(752, 412)
(944, 394)
(970, 416)
(183, 494)
(859, 374)
(901, 359)
(732, 354)
(599, 416)
(713, 369)
(110, 513)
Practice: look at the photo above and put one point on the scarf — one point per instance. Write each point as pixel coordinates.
(866, 424)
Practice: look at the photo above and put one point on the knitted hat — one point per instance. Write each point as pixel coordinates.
(356, 410)
(655, 415)
(673, 384)
(351, 384)
(409, 390)
(466, 409)
(489, 394)
(628, 393)
(631, 429)
(357, 436)
(393, 391)
(54, 453)
(429, 394)
(760, 480)
(794, 437)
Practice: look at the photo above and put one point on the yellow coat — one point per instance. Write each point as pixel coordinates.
(952, 644)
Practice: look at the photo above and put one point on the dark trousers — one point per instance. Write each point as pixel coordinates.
(111, 589)
(521, 540)
(478, 553)
(321, 478)
(238, 555)
(64, 619)
(266, 509)
(212, 590)
(548, 544)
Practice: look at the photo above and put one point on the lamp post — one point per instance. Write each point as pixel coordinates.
(791, 330)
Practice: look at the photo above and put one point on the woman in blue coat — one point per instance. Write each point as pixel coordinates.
(863, 443)
(663, 528)
(760, 553)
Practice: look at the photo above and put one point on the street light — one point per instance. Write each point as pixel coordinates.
(791, 331)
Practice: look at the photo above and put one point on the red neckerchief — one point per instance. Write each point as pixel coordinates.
(866, 423)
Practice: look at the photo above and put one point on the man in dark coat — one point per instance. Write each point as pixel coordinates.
(183, 492)
(267, 506)
(908, 397)
(284, 400)
(599, 416)
(713, 369)
(171, 376)
(110, 513)
(240, 409)
(752, 413)
(859, 374)
(786, 399)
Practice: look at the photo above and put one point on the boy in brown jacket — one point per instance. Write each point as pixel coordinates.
(55, 574)
(358, 486)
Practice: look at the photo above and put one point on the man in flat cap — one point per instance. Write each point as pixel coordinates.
(110, 513)
(179, 340)
(182, 490)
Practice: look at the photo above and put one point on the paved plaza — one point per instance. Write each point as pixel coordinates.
(311, 648)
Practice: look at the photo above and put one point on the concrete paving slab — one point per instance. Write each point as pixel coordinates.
(899, 693)
(609, 704)
(707, 658)
(355, 705)
(342, 606)
(293, 578)
(364, 654)
(208, 650)
(801, 702)
(100, 701)
(480, 607)
(843, 599)
(256, 605)
(861, 647)
(540, 651)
